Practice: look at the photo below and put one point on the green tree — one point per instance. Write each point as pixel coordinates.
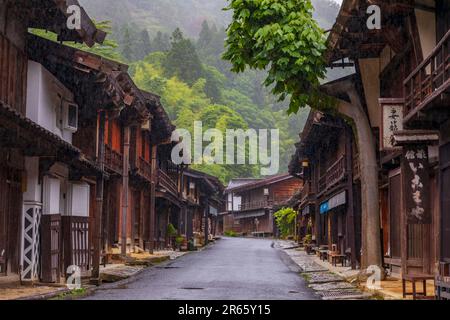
(285, 220)
(182, 59)
(127, 44)
(283, 38)
(205, 36)
(145, 46)
(161, 42)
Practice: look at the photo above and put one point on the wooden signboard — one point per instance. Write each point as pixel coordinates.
(392, 121)
(416, 183)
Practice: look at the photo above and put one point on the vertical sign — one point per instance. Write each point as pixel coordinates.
(416, 183)
(392, 121)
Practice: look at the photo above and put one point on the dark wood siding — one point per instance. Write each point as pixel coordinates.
(445, 194)
(395, 211)
(13, 75)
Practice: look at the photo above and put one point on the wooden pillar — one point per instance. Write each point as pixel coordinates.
(95, 275)
(206, 214)
(152, 229)
(125, 187)
(141, 219)
(350, 201)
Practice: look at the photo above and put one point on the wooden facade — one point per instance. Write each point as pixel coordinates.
(328, 206)
(402, 78)
(117, 159)
(258, 201)
(203, 204)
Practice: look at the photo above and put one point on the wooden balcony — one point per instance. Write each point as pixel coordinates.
(167, 183)
(13, 75)
(333, 176)
(113, 160)
(428, 81)
(308, 191)
(144, 169)
(262, 204)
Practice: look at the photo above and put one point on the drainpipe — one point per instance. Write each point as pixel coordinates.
(95, 276)
(125, 178)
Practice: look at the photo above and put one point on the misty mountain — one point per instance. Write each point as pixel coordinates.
(166, 15)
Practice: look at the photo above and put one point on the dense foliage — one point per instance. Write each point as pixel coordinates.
(283, 38)
(141, 34)
(285, 220)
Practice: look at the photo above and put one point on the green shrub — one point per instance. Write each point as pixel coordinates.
(230, 233)
(285, 220)
(171, 231)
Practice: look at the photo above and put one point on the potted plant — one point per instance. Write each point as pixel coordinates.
(171, 234)
(307, 243)
(179, 242)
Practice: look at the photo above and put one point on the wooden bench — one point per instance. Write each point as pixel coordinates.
(338, 258)
(323, 255)
(414, 278)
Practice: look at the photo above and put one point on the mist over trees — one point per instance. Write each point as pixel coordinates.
(175, 50)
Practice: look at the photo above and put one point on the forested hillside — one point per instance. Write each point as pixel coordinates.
(174, 48)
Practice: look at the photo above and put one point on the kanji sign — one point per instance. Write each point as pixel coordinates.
(392, 117)
(416, 183)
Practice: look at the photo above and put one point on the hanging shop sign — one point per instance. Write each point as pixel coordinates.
(213, 211)
(416, 183)
(324, 207)
(392, 117)
(336, 201)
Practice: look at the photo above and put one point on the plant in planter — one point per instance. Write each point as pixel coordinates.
(179, 241)
(171, 234)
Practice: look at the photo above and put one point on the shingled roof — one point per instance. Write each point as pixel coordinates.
(52, 15)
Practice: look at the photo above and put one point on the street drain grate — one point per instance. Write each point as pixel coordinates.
(192, 288)
(168, 267)
(339, 293)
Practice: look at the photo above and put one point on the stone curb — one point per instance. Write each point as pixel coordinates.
(92, 289)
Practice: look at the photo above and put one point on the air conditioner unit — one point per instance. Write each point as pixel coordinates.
(70, 116)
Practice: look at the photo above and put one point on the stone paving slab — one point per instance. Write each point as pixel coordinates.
(322, 277)
(119, 272)
(332, 286)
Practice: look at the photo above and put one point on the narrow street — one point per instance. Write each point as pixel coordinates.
(232, 268)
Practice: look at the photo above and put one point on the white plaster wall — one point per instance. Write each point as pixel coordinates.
(33, 192)
(426, 22)
(78, 199)
(52, 189)
(44, 98)
(233, 204)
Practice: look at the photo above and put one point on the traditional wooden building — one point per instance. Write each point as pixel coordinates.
(84, 151)
(403, 80)
(257, 200)
(38, 121)
(203, 200)
(328, 202)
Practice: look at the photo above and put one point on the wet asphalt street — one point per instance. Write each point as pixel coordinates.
(232, 268)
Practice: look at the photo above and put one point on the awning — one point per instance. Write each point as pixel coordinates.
(334, 202)
(246, 215)
(213, 211)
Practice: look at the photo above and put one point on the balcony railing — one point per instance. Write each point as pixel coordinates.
(261, 204)
(145, 169)
(167, 183)
(334, 174)
(307, 191)
(429, 80)
(113, 160)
